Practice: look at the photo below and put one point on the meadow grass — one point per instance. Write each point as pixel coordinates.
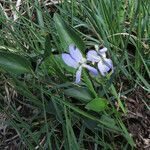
(42, 107)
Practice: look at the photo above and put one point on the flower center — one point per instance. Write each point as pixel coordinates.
(82, 61)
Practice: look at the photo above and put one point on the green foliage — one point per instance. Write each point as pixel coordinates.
(14, 63)
(97, 105)
(42, 104)
(67, 34)
(82, 94)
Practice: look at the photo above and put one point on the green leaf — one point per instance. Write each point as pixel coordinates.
(14, 63)
(89, 83)
(109, 122)
(67, 34)
(80, 93)
(48, 48)
(97, 104)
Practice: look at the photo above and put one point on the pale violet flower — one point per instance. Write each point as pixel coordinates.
(104, 64)
(76, 60)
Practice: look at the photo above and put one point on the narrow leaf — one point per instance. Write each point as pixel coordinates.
(67, 34)
(82, 94)
(14, 63)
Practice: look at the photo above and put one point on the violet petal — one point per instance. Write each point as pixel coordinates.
(105, 66)
(75, 53)
(102, 52)
(78, 75)
(92, 56)
(92, 70)
(69, 60)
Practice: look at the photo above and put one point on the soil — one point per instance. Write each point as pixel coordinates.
(138, 119)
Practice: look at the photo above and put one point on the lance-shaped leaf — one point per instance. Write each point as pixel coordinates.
(80, 93)
(14, 63)
(67, 34)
